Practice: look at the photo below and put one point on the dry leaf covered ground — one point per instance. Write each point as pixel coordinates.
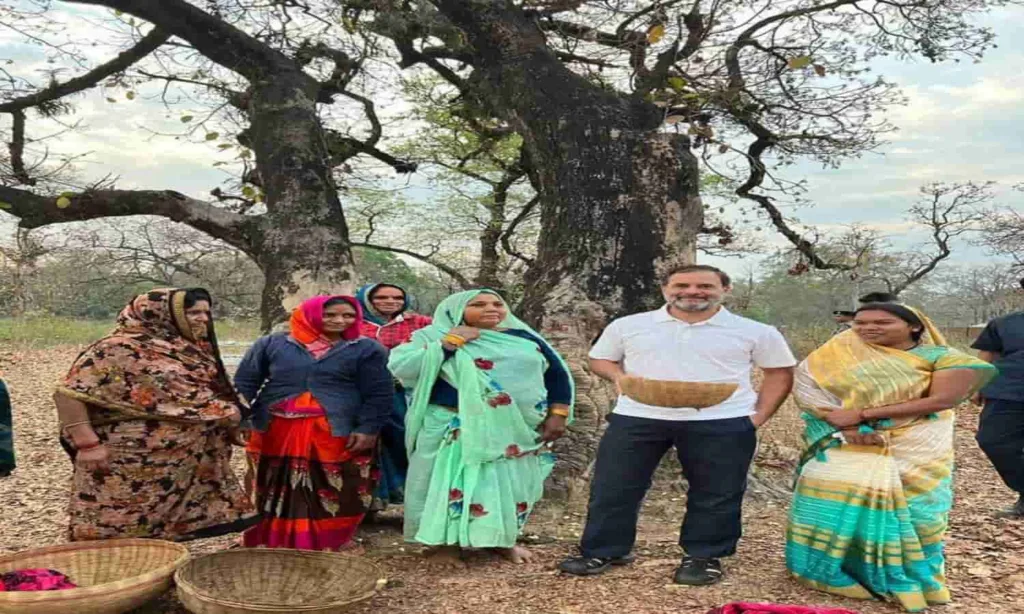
(985, 555)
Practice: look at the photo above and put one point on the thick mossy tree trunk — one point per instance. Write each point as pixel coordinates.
(301, 243)
(619, 198)
(304, 246)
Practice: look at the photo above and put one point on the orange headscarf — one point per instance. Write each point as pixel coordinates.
(307, 327)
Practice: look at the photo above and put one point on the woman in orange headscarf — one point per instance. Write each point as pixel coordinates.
(319, 395)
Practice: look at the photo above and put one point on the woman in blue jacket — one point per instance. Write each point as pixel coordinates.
(319, 396)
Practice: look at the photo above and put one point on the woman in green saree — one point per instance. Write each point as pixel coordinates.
(488, 395)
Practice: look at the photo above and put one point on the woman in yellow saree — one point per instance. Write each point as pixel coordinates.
(874, 487)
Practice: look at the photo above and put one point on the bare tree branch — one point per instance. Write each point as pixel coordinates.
(213, 37)
(35, 211)
(44, 99)
(506, 237)
(948, 211)
(343, 148)
(444, 268)
(17, 148)
(125, 59)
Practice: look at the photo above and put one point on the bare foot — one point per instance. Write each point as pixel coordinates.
(353, 548)
(446, 557)
(517, 554)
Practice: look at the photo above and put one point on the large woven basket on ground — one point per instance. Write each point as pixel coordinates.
(275, 580)
(664, 393)
(113, 576)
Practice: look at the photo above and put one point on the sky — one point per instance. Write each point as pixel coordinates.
(963, 122)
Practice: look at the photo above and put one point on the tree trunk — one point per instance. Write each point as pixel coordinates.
(490, 237)
(619, 199)
(304, 247)
(606, 231)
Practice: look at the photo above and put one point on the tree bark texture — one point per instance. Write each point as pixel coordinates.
(304, 248)
(301, 243)
(619, 198)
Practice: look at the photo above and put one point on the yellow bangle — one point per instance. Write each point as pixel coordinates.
(559, 411)
(455, 340)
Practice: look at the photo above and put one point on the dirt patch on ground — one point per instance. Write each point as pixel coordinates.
(985, 555)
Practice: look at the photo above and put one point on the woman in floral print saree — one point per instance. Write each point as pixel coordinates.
(488, 396)
(148, 417)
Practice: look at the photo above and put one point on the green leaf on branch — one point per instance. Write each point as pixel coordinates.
(186, 119)
(248, 191)
(4, 205)
(212, 136)
(655, 33)
(800, 61)
(129, 95)
(677, 83)
(111, 100)
(224, 146)
(63, 202)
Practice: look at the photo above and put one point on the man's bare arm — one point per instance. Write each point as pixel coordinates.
(607, 369)
(774, 389)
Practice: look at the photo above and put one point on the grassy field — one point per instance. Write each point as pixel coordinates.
(52, 331)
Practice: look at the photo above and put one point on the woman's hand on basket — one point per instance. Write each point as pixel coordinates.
(94, 459)
(553, 428)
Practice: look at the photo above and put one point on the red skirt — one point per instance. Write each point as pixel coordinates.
(312, 492)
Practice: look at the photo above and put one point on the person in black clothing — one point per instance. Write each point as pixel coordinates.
(6, 433)
(1001, 431)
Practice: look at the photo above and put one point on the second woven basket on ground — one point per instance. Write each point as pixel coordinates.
(275, 581)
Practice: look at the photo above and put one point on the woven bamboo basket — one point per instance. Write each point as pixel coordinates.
(665, 393)
(113, 576)
(275, 581)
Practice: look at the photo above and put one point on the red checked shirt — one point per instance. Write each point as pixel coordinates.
(397, 331)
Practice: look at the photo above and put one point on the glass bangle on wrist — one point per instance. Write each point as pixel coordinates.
(455, 340)
(558, 411)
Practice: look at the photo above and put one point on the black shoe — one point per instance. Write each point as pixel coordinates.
(592, 566)
(695, 571)
(1014, 513)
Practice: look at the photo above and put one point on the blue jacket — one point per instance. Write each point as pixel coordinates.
(351, 381)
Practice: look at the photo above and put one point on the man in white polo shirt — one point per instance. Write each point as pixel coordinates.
(692, 339)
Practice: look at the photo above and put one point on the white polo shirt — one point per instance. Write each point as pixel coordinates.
(721, 349)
